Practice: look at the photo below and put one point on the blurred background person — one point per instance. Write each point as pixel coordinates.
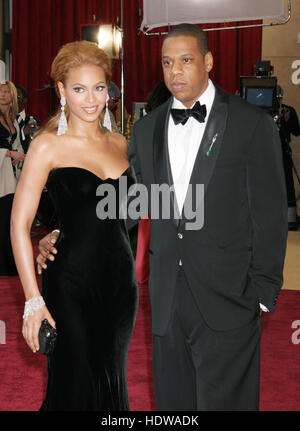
(114, 97)
(114, 104)
(288, 125)
(11, 159)
(27, 123)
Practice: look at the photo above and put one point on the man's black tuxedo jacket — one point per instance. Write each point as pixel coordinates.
(235, 261)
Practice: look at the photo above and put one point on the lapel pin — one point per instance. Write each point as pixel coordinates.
(211, 145)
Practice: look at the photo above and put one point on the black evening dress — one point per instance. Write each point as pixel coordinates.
(7, 262)
(90, 290)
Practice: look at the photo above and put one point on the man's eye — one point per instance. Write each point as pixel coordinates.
(186, 60)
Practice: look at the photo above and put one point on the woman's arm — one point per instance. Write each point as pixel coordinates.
(33, 178)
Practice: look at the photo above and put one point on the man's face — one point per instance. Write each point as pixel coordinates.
(113, 103)
(21, 100)
(185, 68)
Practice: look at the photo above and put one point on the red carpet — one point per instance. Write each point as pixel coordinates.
(280, 357)
(22, 373)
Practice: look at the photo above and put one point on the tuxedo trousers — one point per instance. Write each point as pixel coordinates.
(199, 369)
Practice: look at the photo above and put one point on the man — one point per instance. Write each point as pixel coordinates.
(114, 97)
(114, 107)
(288, 125)
(206, 285)
(26, 122)
(114, 103)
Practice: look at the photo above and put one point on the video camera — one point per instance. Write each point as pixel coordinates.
(261, 89)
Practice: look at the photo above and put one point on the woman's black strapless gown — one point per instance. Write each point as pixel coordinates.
(91, 292)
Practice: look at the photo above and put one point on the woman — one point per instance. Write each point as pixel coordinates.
(89, 291)
(11, 157)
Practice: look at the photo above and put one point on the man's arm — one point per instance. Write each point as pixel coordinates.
(268, 207)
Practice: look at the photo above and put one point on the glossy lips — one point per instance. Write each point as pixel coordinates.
(91, 110)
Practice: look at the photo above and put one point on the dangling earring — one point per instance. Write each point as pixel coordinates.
(62, 125)
(107, 122)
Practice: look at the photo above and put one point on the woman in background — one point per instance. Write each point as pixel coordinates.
(89, 292)
(11, 157)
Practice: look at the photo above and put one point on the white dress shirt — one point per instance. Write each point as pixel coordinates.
(22, 116)
(184, 142)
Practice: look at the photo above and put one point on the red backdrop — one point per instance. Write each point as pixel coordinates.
(41, 27)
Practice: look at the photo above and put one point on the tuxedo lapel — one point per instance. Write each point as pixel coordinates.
(161, 161)
(210, 144)
(160, 156)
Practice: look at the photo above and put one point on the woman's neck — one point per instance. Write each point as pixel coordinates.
(84, 129)
(5, 111)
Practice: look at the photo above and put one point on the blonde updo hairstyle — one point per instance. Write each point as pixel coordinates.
(13, 108)
(71, 55)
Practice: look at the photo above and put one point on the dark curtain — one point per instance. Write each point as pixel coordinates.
(41, 27)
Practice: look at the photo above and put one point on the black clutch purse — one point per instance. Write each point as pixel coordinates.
(47, 338)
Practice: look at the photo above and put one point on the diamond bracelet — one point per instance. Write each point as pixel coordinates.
(32, 305)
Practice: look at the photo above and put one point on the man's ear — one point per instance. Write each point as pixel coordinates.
(208, 61)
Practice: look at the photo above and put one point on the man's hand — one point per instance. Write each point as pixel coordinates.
(26, 130)
(46, 250)
(16, 155)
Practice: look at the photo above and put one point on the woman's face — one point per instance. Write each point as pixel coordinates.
(85, 91)
(5, 95)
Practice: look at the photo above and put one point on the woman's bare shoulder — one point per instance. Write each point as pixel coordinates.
(119, 140)
(44, 139)
(44, 145)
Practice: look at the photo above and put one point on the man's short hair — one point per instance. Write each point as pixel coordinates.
(23, 91)
(193, 31)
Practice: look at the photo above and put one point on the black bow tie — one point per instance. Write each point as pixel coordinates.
(182, 115)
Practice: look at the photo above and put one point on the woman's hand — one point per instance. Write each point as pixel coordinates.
(46, 250)
(16, 155)
(32, 324)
